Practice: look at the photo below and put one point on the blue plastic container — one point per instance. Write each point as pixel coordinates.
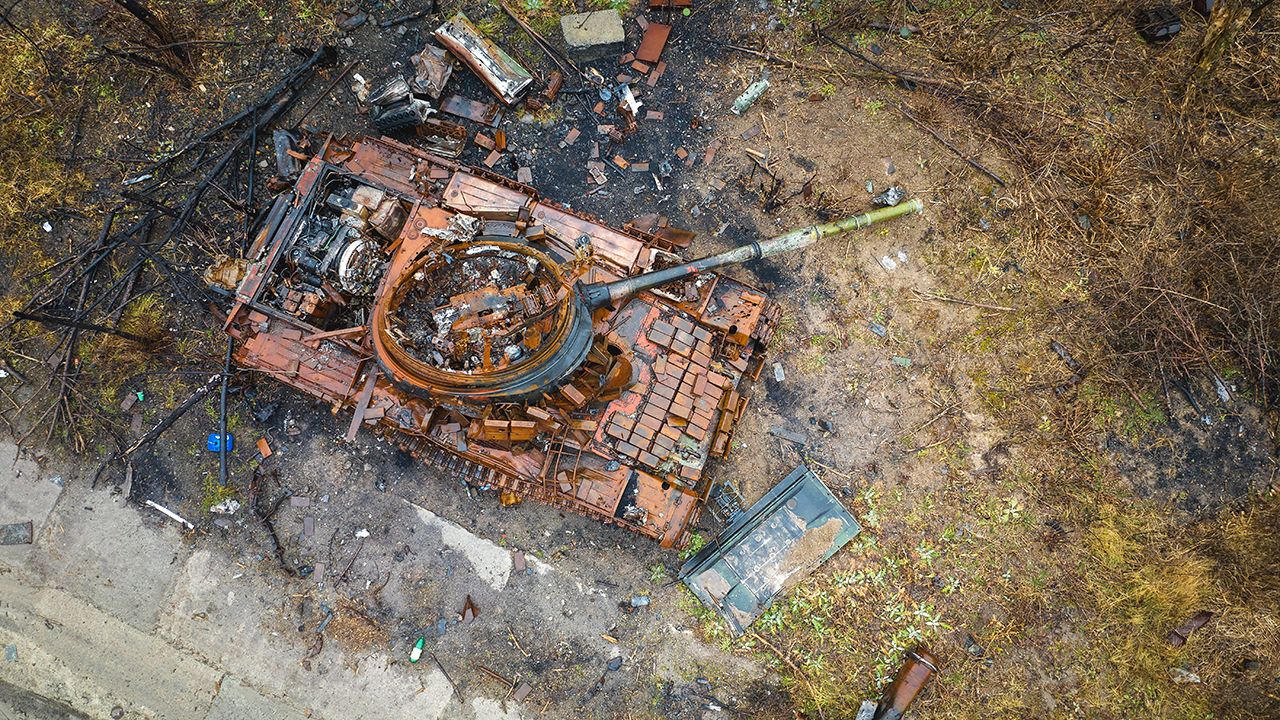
(212, 444)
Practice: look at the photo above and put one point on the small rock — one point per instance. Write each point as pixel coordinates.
(362, 533)
(615, 663)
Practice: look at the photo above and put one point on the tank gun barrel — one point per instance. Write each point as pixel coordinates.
(601, 294)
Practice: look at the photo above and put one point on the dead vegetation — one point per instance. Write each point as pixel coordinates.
(1129, 208)
(1141, 199)
(1154, 185)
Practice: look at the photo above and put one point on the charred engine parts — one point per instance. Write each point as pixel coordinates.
(505, 338)
(340, 249)
(432, 70)
(395, 107)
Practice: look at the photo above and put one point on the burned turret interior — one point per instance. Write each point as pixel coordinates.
(441, 305)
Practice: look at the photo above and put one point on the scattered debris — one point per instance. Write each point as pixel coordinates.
(1179, 635)
(653, 42)
(214, 444)
(1182, 676)
(171, 514)
(442, 137)
(521, 692)
(433, 70)
(751, 94)
(504, 76)
(1062, 352)
(793, 529)
(788, 435)
(20, 533)
(473, 110)
(890, 197)
(915, 674)
(284, 143)
(264, 448)
(971, 646)
(416, 653)
(397, 108)
(1158, 25)
(230, 506)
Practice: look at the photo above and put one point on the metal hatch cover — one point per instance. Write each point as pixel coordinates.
(776, 543)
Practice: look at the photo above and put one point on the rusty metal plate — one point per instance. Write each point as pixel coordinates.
(769, 548)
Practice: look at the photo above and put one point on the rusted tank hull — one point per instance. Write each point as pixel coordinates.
(637, 460)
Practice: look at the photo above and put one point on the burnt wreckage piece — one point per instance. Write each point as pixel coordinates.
(506, 338)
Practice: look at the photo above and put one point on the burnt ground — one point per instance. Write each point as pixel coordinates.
(924, 453)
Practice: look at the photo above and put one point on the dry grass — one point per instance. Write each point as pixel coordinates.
(37, 107)
(355, 631)
(115, 359)
(1158, 193)
(1142, 212)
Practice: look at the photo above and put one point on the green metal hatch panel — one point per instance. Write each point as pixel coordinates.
(776, 543)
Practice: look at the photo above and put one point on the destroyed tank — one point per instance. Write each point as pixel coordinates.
(505, 338)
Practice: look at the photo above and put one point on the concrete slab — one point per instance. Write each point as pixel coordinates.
(490, 562)
(18, 704)
(71, 652)
(25, 494)
(218, 612)
(98, 548)
(238, 701)
(593, 35)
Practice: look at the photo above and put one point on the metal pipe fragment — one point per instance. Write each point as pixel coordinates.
(601, 294)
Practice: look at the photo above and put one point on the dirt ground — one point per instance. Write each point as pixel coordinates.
(913, 357)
